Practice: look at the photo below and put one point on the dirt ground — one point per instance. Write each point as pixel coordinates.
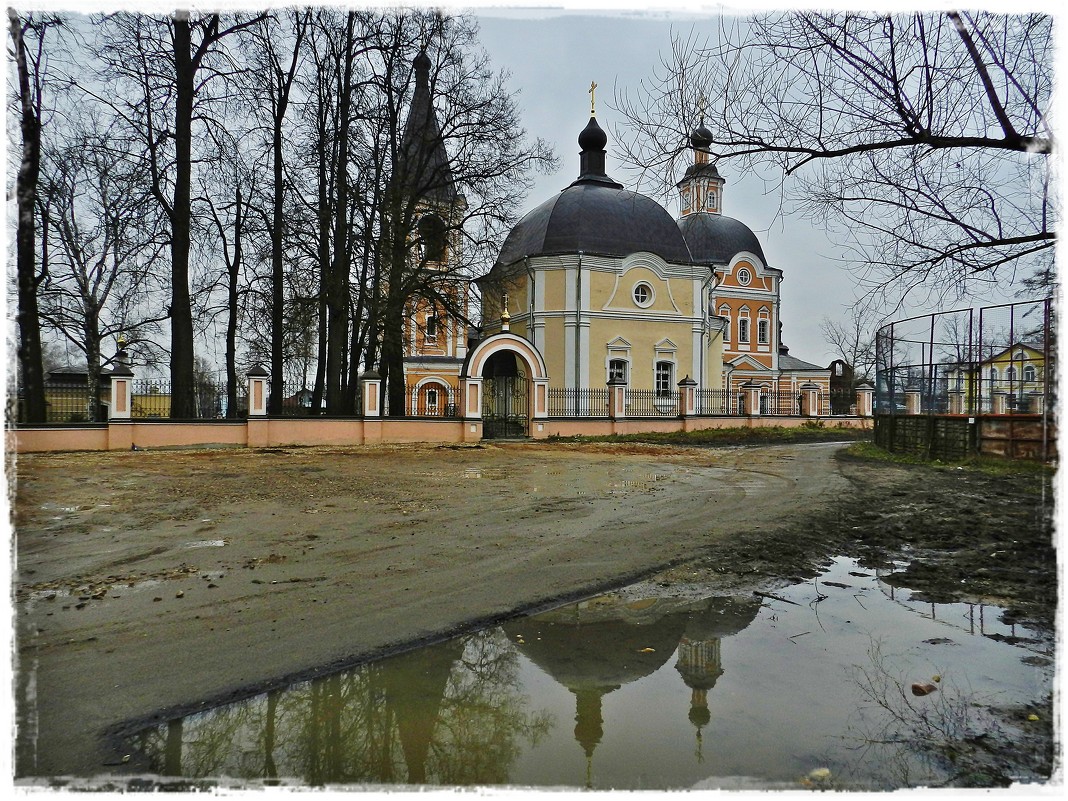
(149, 584)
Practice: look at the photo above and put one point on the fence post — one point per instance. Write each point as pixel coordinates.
(1001, 401)
(865, 394)
(687, 397)
(617, 398)
(810, 400)
(121, 405)
(541, 398)
(370, 392)
(473, 398)
(956, 401)
(751, 391)
(1037, 402)
(913, 394)
(257, 391)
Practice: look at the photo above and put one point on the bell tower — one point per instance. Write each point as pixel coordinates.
(701, 187)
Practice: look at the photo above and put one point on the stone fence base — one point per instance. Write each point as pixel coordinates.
(263, 432)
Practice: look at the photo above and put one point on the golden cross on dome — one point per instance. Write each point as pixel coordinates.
(702, 104)
(593, 86)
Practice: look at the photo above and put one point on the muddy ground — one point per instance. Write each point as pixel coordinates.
(151, 584)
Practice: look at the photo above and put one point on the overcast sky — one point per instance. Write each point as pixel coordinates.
(554, 53)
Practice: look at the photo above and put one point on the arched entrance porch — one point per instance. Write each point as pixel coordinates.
(505, 385)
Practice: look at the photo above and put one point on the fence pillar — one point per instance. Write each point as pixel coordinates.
(865, 396)
(473, 398)
(257, 391)
(687, 397)
(1037, 401)
(541, 398)
(371, 393)
(810, 399)
(1001, 401)
(956, 401)
(617, 398)
(751, 394)
(121, 405)
(913, 404)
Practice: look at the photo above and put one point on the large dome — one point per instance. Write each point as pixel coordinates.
(596, 218)
(716, 239)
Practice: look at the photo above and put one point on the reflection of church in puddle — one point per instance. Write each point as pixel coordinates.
(595, 647)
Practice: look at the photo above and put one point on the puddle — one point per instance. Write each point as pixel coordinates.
(629, 691)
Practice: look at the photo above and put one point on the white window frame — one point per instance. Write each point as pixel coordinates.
(622, 363)
(646, 288)
(663, 376)
(764, 332)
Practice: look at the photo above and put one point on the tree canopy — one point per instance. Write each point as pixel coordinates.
(922, 141)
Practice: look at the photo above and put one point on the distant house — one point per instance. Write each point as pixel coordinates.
(1012, 379)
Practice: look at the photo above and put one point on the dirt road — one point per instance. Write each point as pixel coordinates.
(150, 583)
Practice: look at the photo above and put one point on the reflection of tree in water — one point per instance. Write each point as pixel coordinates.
(449, 714)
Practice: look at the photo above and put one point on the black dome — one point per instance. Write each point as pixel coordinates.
(599, 219)
(592, 137)
(701, 138)
(716, 239)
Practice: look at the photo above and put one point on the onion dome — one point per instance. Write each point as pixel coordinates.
(717, 239)
(592, 136)
(701, 138)
(596, 215)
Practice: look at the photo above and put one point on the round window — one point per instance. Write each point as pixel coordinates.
(744, 277)
(643, 294)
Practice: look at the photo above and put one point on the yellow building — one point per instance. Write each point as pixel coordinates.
(1013, 379)
(607, 285)
(600, 280)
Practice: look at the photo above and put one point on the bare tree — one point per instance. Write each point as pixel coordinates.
(923, 138)
(28, 46)
(462, 157)
(853, 339)
(272, 76)
(99, 244)
(161, 70)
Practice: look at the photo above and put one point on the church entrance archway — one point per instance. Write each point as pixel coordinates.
(505, 385)
(505, 397)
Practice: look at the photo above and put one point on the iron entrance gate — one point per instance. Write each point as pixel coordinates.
(504, 407)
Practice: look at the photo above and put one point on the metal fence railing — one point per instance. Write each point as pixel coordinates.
(578, 402)
(990, 360)
(650, 403)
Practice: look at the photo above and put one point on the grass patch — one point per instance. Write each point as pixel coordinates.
(712, 437)
(991, 465)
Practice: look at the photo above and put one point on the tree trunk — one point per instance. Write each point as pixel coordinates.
(338, 292)
(232, 273)
(35, 409)
(181, 312)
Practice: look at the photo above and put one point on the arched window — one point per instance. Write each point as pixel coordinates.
(725, 312)
(1010, 374)
(431, 328)
(432, 234)
(1030, 374)
(617, 370)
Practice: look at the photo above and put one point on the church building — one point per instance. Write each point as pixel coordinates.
(599, 285)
